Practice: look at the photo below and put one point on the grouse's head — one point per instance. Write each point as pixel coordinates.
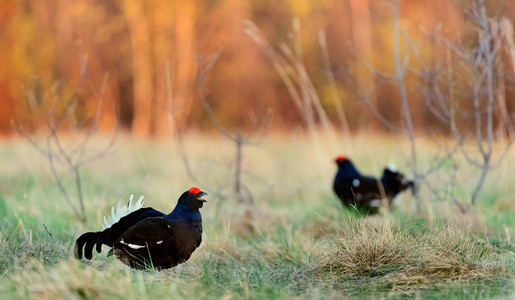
(341, 160)
(192, 198)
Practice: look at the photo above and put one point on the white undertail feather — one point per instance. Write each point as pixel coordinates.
(119, 211)
(392, 167)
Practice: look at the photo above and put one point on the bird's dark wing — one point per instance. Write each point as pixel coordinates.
(367, 185)
(110, 235)
(158, 242)
(147, 236)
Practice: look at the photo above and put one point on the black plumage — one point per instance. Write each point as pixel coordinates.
(149, 238)
(365, 192)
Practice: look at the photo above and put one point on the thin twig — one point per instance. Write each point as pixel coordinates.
(332, 84)
(48, 232)
(240, 140)
(61, 158)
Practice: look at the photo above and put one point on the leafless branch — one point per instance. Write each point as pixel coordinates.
(400, 74)
(487, 97)
(332, 84)
(178, 128)
(240, 140)
(203, 68)
(62, 158)
(48, 232)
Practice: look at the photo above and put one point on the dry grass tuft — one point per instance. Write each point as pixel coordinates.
(65, 281)
(365, 249)
(19, 251)
(401, 257)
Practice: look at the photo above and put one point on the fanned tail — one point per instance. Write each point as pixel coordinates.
(121, 211)
(122, 217)
(86, 241)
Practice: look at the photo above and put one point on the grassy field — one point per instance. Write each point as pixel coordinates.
(294, 241)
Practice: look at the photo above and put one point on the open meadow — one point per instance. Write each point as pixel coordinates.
(260, 104)
(294, 240)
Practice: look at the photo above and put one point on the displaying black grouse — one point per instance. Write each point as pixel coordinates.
(144, 237)
(366, 192)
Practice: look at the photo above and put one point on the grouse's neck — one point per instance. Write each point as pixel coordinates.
(348, 168)
(181, 212)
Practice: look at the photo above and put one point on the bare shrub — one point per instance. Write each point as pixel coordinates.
(482, 120)
(59, 113)
(240, 139)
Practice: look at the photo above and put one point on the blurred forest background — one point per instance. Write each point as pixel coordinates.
(133, 53)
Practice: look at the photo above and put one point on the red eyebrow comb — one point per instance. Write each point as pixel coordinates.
(340, 157)
(194, 190)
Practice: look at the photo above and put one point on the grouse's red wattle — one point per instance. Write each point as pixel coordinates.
(149, 238)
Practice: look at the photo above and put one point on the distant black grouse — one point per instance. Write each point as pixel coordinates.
(144, 237)
(365, 192)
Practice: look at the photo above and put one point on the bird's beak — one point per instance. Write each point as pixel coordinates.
(200, 195)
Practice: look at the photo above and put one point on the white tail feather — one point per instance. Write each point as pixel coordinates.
(121, 211)
(392, 167)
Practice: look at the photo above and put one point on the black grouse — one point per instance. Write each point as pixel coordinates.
(144, 237)
(365, 192)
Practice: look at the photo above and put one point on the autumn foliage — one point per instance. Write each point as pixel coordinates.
(53, 50)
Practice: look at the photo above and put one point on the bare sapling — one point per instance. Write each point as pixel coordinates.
(240, 140)
(486, 143)
(58, 119)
